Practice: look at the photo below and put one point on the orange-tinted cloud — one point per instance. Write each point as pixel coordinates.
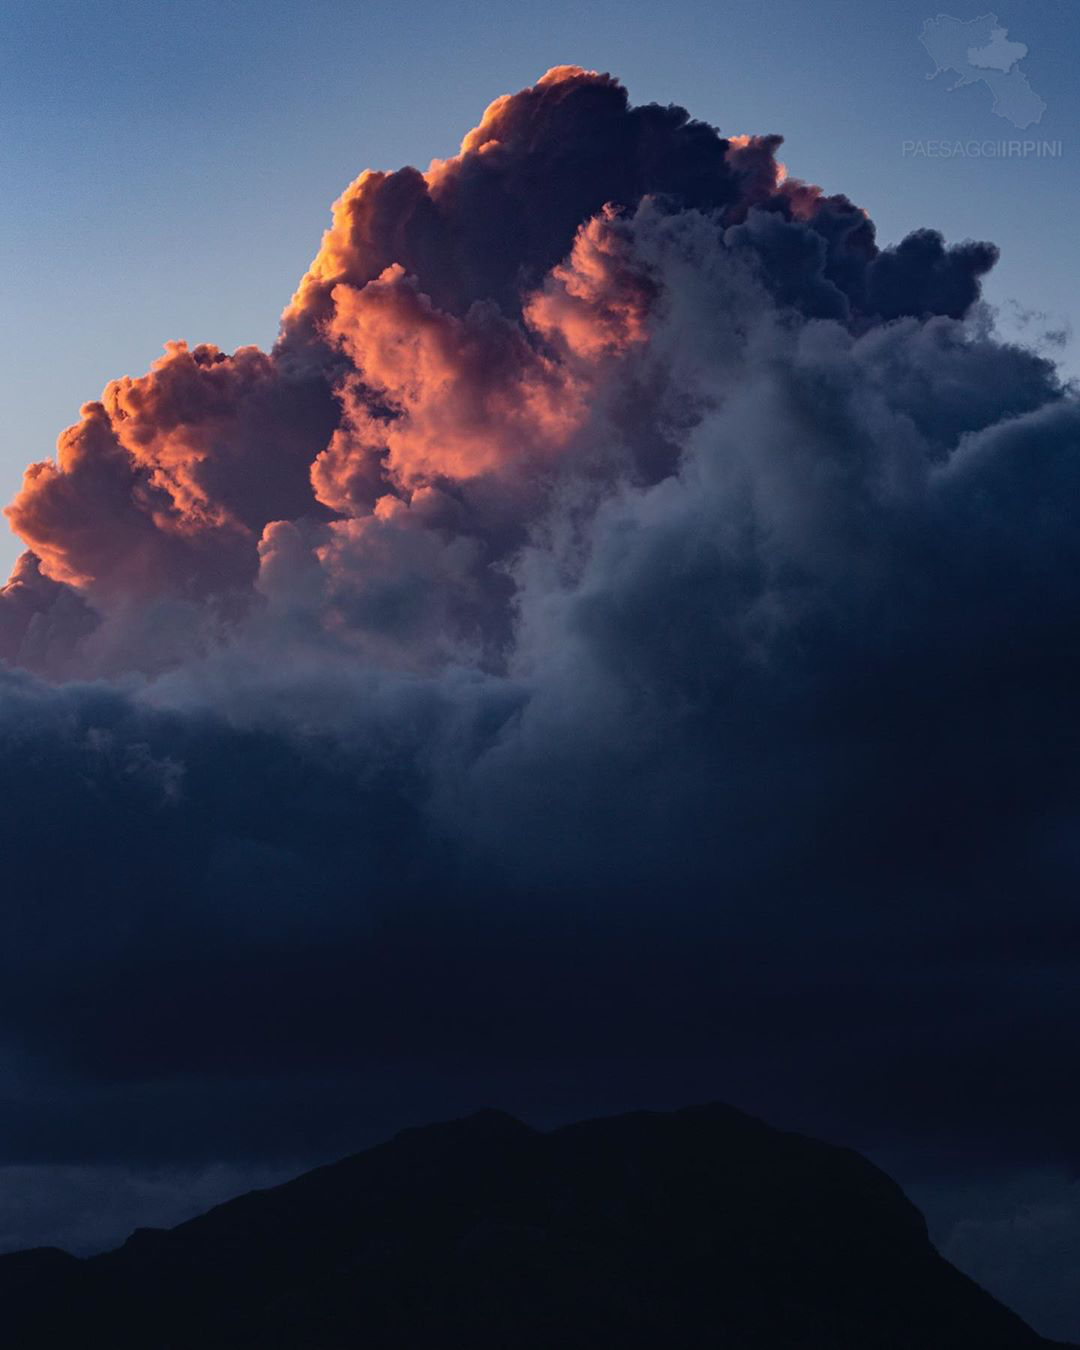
(491, 221)
(166, 482)
(435, 396)
(461, 396)
(464, 331)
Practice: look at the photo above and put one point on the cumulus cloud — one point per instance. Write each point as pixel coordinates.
(458, 328)
(618, 646)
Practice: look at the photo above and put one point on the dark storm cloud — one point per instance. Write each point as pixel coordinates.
(620, 647)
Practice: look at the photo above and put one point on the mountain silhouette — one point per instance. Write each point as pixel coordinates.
(696, 1228)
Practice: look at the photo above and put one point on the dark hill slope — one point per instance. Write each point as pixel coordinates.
(698, 1228)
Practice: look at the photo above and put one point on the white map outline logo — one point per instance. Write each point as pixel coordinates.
(979, 49)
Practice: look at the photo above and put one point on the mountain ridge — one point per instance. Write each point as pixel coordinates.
(698, 1227)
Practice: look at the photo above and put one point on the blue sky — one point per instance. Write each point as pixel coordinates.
(168, 168)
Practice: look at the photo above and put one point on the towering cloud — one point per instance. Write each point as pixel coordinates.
(466, 333)
(624, 632)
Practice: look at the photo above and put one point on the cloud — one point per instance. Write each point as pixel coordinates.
(619, 646)
(457, 325)
(164, 486)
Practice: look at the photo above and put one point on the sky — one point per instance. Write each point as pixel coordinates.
(612, 643)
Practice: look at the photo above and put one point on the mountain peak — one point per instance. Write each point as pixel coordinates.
(695, 1228)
